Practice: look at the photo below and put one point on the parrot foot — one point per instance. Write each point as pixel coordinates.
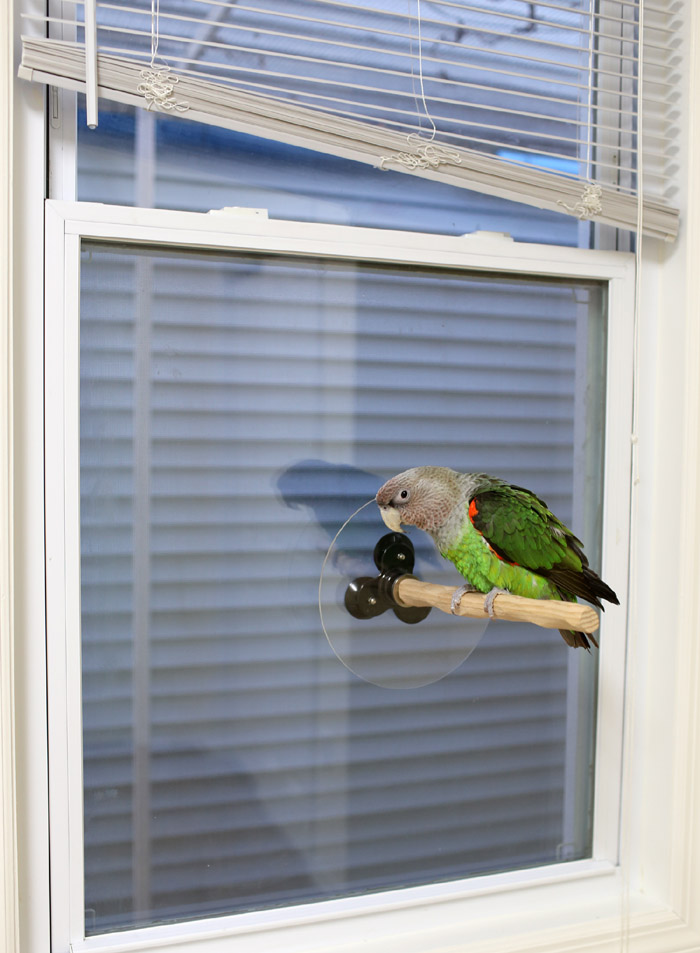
(488, 601)
(457, 596)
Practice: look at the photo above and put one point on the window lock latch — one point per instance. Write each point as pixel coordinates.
(239, 211)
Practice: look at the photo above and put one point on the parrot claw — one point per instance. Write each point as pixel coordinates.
(489, 600)
(457, 596)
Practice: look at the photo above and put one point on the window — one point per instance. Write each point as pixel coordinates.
(650, 901)
(186, 325)
(243, 384)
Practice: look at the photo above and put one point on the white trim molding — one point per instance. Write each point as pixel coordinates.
(682, 267)
(24, 134)
(9, 891)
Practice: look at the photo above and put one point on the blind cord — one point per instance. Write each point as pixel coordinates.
(157, 84)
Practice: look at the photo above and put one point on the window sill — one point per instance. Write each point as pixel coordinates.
(580, 906)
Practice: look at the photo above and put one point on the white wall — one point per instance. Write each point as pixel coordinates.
(8, 896)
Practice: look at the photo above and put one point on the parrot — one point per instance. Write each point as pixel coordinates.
(500, 537)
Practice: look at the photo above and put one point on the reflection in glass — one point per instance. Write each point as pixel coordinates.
(234, 412)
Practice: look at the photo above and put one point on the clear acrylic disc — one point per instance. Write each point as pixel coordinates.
(385, 650)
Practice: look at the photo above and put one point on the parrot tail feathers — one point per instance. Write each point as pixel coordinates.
(578, 639)
(587, 584)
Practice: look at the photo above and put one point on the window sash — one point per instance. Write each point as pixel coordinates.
(380, 916)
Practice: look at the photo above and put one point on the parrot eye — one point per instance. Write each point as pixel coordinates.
(404, 495)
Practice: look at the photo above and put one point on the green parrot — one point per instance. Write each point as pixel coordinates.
(500, 537)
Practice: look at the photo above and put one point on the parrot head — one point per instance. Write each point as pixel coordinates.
(422, 497)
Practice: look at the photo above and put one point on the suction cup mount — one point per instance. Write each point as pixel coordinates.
(368, 597)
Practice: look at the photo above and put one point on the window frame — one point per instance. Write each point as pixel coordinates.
(423, 917)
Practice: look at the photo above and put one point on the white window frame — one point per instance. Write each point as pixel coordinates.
(499, 909)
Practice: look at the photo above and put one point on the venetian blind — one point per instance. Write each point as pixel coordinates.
(532, 102)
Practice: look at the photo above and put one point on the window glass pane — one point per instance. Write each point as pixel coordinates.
(142, 158)
(235, 410)
(514, 82)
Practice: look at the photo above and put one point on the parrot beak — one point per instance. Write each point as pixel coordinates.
(391, 517)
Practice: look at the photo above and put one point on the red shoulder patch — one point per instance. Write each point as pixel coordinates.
(473, 510)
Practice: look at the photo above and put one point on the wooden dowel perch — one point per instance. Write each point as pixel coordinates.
(548, 613)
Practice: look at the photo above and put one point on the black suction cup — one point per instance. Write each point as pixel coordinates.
(367, 597)
(395, 551)
(362, 599)
(384, 643)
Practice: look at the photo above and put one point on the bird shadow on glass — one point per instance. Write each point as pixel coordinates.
(382, 650)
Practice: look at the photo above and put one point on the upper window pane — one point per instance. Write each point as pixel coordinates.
(139, 158)
(235, 410)
(543, 86)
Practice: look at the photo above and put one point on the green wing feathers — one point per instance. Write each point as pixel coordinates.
(521, 529)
